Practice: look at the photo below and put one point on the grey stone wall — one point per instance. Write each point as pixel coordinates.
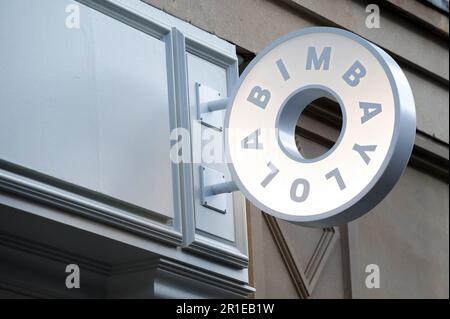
(407, 234)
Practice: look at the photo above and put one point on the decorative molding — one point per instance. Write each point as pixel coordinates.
(296, 272)
(320, 255)
(238, 288)
(215, 250)
(153, 265)
(431, 156)
(179, 97)
(51, 253)
(29, 250)
(45, 193)
(128, 16)
(419, 12)
(209, 54)
(304, 280)
(24, 289)
(185, 278)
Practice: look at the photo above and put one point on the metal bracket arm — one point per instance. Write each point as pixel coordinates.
(225, 187)
(210, 106)
(218, 105)
(213, 189)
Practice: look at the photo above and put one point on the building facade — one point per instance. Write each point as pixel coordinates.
(95, 96)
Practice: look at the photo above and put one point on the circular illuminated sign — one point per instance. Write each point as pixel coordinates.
(371, 152)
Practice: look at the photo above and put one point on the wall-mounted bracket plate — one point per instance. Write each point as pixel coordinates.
(209, 177)
(205, 95)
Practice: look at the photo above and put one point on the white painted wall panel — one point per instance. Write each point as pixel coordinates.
(89, 105)
(214, 76)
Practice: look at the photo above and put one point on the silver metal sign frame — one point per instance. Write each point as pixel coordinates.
(394, 163)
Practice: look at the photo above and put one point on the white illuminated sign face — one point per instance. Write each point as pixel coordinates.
(371, 152)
